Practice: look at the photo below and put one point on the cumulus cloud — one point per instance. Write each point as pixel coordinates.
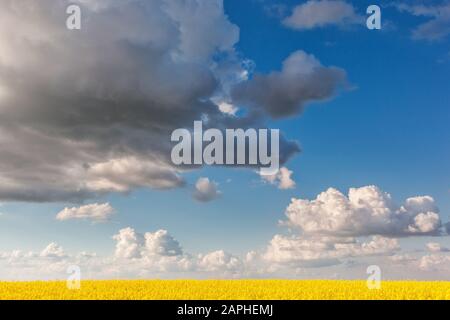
(206, 190)
(53, 250)
(284, 93)
(133, 245)
(365, 211)
(95, 212)
(160, 251)
(129, 244)
(438, 25)
(159, 255)
(315, 14)
(219, 261)
(282, 179)
(162, 243)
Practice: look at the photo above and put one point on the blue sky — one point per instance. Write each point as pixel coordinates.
(389, 128)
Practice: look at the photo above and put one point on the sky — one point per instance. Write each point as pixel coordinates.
(86, 118)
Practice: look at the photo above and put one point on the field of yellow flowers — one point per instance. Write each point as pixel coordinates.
(224, 290)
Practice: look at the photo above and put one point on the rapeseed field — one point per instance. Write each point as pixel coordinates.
(224, 290)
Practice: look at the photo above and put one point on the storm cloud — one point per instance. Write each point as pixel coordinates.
(87, 112)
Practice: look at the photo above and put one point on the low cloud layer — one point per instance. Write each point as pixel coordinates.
(324, 251)
(348, 233)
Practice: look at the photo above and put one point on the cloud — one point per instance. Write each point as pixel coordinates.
(159, 251)
(133, 245)
(438, 25)
(403, 259)
(324, 251)
(81, 118)
(162, 243)
(53, 250)
(436, 247)
(435, 262)
(95, 212)
(159, 255)
(122, 175)
(129, 244)
(76, 112)
(365, 211)
(227, 108)
(206, 190)
(317, 14)
(219, 261)
(280, 94)
(282, 179)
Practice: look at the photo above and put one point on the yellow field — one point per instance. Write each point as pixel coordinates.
(225, 290)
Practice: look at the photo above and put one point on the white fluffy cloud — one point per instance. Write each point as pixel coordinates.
(365, 211)
(159, 251)
(282, 179)
(206, 190)
(322, 13)
(219, 261)
(129, 244)
(133, 245)
(53, 250)
(162, 243)
(95, 212)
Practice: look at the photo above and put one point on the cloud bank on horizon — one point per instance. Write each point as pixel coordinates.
(326, 232)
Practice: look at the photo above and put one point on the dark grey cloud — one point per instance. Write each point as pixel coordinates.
(280, 94)
(88, 112)
(91, 111)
